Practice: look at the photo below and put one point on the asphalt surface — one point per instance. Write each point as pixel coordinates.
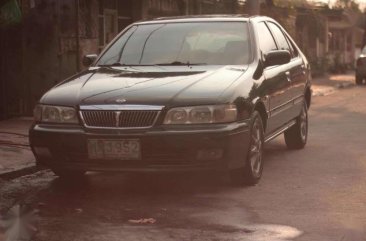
(318, 193)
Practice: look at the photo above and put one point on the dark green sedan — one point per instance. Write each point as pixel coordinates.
(178, 94)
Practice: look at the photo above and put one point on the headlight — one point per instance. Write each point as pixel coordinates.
(55, 114)
(201, 114)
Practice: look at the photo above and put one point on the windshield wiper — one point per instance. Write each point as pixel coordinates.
(178, 63)
(117, 64)
(109, 65)
(175, 63)
(125, 65)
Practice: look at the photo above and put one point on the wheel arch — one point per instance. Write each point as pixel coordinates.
(260, 107)
(308, 97)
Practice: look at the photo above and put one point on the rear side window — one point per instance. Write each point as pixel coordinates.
(266, 41)
(281, 39)
(294, 51)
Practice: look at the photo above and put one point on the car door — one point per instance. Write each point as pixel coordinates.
(294, 70)
(276, 82)
(298, 77)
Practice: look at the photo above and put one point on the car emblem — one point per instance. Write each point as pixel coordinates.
(120, 101)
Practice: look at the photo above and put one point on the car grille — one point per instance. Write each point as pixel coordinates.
(120, 119)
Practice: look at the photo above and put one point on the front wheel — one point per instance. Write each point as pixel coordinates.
(252, 172)
(297, 135)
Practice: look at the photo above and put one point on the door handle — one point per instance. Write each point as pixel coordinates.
(303, 69)
(288, 76)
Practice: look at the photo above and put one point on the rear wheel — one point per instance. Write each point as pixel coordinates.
(252, 172)
(296, 137)
(359, 80)
(68, 174)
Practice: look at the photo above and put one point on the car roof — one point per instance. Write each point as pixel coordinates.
(199, 18)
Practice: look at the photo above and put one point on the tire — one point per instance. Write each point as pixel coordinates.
(359, 80)
(252, 172)
(297, 135)
(68, 174)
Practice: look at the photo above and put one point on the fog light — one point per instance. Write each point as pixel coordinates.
(42, 152)
(210, 154)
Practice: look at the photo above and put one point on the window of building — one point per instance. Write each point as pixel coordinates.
(113, 17)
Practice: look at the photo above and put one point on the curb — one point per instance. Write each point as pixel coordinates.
(330, 90)
(345, 85)
(324, 92)
(19, 172)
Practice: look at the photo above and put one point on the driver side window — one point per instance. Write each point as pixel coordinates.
(281, 39)
(266, 40)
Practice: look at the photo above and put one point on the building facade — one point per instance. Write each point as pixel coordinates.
(345, 37)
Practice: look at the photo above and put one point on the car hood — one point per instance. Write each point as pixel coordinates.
(166, 86)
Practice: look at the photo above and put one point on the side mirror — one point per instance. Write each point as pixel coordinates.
(277, 57)
(89, 59)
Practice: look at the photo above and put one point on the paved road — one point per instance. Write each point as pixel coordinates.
(317, 194)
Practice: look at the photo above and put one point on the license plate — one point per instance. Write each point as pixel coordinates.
(128, 149)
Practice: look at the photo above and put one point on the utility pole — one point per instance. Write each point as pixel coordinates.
(364, 32)
(234, 6)
(77, 33)
(269, 3)
(2, 75)
(253, 7)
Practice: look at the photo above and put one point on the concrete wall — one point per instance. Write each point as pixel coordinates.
(11, 86)
(37, 60)
(47, 50)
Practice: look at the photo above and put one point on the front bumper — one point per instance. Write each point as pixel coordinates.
(163, 148)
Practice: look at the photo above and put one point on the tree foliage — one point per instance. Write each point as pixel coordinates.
(347, 4)
(342, 4)
(286, 3)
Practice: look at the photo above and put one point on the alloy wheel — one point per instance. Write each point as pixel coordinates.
(303, 123)
(255, 155)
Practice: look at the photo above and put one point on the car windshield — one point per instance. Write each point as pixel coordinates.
(203, 43)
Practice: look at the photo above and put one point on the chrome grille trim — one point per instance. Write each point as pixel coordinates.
(119, 116)
(121, 107)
